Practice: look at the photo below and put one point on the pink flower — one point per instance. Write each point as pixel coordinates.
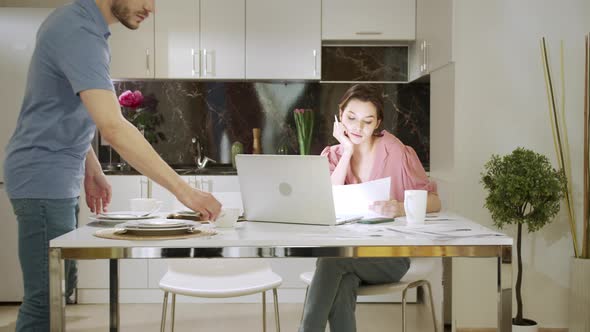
(131, 99)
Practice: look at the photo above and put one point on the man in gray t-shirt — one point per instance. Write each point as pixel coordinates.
(68, 95)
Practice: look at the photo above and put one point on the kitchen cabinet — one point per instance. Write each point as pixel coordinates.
(132, 51)
(133, 272)
(368, 20)
(200, 39)
(283, 39)
(434, 43)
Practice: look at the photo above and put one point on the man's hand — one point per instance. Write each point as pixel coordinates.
(389, 209)
(98, 192)
(202, 202)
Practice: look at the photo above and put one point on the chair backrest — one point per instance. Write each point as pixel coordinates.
(218, 267)
(420, 268)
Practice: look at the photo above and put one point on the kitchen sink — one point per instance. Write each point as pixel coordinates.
(211, 169)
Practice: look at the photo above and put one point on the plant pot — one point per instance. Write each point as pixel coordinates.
(526, 328)
(579, 299)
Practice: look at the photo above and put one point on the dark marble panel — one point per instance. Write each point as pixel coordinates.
(220, 113)
(355, 63)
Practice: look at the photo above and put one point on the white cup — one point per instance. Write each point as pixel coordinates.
(415, 206)
(228, 217)
(144, 205)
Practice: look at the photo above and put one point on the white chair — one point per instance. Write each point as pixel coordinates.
(415, 277)
(219, 278)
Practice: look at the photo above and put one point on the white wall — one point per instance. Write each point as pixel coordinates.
(500, 104)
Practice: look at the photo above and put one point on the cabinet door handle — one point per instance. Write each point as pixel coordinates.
(147, 61)
(369, 33)
(194, 69)
(423, 49)
(206, 71)
(315, 63)
(426, 59)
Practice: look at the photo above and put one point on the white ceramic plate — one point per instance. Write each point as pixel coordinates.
(160, 223)
(118, 217)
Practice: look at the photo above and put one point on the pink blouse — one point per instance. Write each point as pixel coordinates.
(392, 159)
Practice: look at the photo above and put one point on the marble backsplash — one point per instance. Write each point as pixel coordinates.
(220, 113)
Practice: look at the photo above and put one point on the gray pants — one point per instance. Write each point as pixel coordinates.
(332, 293)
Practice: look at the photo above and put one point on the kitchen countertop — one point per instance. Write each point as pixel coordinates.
(219, 169)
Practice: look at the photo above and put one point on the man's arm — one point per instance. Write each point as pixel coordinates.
(104, 109)
(96, 187)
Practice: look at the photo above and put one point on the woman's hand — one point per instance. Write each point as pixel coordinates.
(389, 209)
(98, 192)
(339, 132)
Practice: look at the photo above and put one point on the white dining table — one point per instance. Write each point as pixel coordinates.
(446, 235)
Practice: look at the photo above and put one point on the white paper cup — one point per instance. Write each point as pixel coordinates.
(415, 206)
(144, 205)
(227, 218)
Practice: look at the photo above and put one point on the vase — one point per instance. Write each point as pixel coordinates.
(525, 328)
(579, 295)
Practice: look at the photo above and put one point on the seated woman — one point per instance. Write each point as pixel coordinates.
(364, 154)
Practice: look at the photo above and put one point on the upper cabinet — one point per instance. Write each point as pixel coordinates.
(283, 39)
(200, 39)
(177, 39)
(132, 51)
(433, 47)
(368, 19)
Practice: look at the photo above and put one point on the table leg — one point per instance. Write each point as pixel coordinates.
(447, 307)
(114, 295)
(56, 297)
(505, 292)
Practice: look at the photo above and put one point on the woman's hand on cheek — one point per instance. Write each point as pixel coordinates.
(389, 209)
(339, 133)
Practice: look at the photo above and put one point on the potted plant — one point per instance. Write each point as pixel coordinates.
(523, 189)
(579, 296)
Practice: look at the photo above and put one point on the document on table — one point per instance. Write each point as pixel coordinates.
(354, 199)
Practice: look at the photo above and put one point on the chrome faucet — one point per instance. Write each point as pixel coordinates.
(201, 160)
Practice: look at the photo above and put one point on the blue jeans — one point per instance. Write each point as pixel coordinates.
(40, 220)
(332, 293)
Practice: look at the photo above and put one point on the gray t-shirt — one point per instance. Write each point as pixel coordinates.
(45, 156)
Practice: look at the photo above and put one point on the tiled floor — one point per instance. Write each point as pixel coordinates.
(224, 317)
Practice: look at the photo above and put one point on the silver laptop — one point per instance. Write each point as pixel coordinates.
(288, 189)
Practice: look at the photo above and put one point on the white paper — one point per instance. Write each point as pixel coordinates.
(354, 199)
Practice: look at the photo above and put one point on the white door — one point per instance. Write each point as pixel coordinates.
(436, 29)
(283, 39)
(177, 39)
(368, 19)
(132, 51)
(223, 30)
(434, 35)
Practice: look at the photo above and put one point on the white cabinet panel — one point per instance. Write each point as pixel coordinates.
(132, 273)
(434, 37)
(368, 19)
(132, 51)
(219, 183)
(283, 39)
(177, 39)
(169, 201)
(200, 39)
(223, 29)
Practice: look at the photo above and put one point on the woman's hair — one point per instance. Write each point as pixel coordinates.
(365, 93)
